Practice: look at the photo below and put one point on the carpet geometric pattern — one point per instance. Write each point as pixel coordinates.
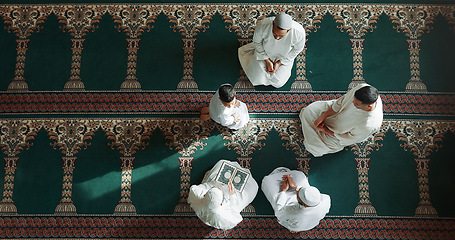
(101, 138)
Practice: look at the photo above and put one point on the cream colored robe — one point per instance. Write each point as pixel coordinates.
(289, 212)
(265, 46)
(350, 124)
(228, 215)
(223, 115)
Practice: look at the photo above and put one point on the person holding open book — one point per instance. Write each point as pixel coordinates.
(297, 205)
(224, 192)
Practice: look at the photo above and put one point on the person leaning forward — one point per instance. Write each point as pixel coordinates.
(297, 205)
(218, 205)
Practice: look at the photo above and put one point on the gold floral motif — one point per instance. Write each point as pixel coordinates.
(127, 135)
(70, 135)
(79, 19)
(186, 135)
(189, 18)
(355, 19)
(247, 139)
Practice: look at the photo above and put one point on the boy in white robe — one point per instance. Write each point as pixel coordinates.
(329, 126)
(225, 109)
(297, 205)
(268, 60)
(218, 205)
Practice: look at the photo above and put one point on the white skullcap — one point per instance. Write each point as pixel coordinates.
(310, 196)
(213, 198)
(283, 21)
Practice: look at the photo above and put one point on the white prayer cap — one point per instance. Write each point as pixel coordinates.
(310, 196)
(213, 198)
(283, 21)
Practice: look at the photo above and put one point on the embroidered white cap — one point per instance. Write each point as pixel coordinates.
(213, 198)
(310, 196)
(283, 21)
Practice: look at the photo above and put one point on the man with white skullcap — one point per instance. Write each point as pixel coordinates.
(297, 205)
(218, 205)
(277, 41)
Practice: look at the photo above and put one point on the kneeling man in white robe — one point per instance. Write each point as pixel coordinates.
(218, 205)
(297, 205)
(329, 126)
(225, 109)
(268, 60)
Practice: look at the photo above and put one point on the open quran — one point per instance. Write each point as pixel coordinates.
(238, 176)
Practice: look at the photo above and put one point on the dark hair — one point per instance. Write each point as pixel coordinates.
(226, 92)
(367, 94)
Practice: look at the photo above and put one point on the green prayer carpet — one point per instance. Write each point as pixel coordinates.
(114, 157)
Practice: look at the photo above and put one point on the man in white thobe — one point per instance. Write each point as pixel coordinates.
(329, 126)
(226, 109)
(268, 60)
(297, 205)
(218, 205)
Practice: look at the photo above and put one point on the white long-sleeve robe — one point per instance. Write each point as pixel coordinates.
(223, 115)
(265, 46)
(228, 215)
(350, 124)
(289, 212)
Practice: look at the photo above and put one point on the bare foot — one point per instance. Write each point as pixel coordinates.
(205, 110)
(205, 117)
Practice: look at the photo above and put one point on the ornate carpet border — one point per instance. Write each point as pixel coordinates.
(190, 227)
(171, 102)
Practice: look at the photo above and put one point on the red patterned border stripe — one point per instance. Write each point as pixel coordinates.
(442, 104)
(258, 227)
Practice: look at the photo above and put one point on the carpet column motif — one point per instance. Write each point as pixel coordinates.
(187, 83)
(18, 83)
(133, 19)
(290, 131)
(75, 83)
(364, 207)
(66, 205)
(362, 150)
(356, 20)
(425, 207)
(128, 136)
(245, 162)
(23, 21)
(243, 84)
(70, 137)
(131, 83)
(413, 21)
(189, 20)
(303, 164)
(185, 175)
(245, 141)
(125, 206)
(357, 49)
(15, 136)
(78, 20)
(309, 16)
(7, 205)
(421, 137)
(415, 83)
(301, 82)
(186, 136)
